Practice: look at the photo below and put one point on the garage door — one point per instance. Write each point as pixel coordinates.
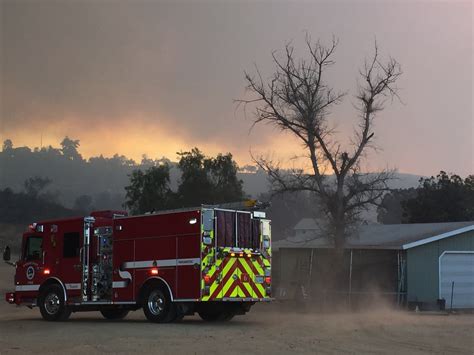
(456, 278)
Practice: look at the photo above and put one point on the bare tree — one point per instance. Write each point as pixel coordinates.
(297, 99)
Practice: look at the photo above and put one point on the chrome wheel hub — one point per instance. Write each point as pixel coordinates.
(156, 303)
(52, 303)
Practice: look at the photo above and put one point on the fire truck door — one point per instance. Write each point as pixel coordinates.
(29, 275)
(188, 267)
(123, 279)
(70, 266)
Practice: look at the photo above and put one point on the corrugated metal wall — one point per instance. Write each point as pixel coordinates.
(423, 266)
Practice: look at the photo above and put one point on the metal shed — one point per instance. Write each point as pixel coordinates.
(441, 267)
(406, 263)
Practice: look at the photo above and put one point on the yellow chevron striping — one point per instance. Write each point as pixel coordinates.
(251, 276)
(248, 288)
(257, 266)
(225, 272)
(222, 273)
(230, 263)
(239, 289)
(227, 286)
(259, 286)
(247, 268)
(235, 293)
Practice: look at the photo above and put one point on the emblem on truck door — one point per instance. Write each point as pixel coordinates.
(30, 272)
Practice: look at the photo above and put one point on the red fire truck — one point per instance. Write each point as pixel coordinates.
(206, 260)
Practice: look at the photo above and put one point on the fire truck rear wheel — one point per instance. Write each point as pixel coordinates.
(51, 304)
(157, 305)
(114, 314)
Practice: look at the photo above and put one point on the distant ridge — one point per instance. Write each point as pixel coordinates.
(104, 179)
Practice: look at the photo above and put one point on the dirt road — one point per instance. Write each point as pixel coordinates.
(265, 329)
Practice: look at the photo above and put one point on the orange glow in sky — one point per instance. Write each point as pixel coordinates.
(135, 136)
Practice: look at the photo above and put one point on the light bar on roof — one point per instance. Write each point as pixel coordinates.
(259, 214)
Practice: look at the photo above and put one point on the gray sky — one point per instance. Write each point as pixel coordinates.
(153, 77)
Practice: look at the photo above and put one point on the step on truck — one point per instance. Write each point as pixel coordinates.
(206, 260)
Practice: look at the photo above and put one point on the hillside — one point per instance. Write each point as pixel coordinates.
(104, 179)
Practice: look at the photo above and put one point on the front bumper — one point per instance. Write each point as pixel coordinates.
(10, 297)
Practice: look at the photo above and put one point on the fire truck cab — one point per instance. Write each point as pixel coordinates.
(205, 260)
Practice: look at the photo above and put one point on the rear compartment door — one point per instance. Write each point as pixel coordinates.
(123, 278)
(188, 265)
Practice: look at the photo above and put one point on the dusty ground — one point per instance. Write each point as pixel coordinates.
(264, 330)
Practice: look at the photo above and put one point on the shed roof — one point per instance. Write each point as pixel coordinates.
(376, 236)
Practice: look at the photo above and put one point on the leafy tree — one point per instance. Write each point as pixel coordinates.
(149, 190)
(195, 187)
(204, 180)
(390, 210)
(7, 145)
(207, 180)
(69, 148)
(222, 172)
(444, 198)
(298, 100)
(147, 162)
(33, 186)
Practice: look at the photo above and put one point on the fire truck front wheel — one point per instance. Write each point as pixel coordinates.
(157, 305)
(51, 304)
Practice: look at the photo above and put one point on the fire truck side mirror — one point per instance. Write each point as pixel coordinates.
(6, 254)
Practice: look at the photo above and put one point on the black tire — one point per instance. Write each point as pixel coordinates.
(223, 316)
(157, 305)
(51, 304)
(114, 313)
